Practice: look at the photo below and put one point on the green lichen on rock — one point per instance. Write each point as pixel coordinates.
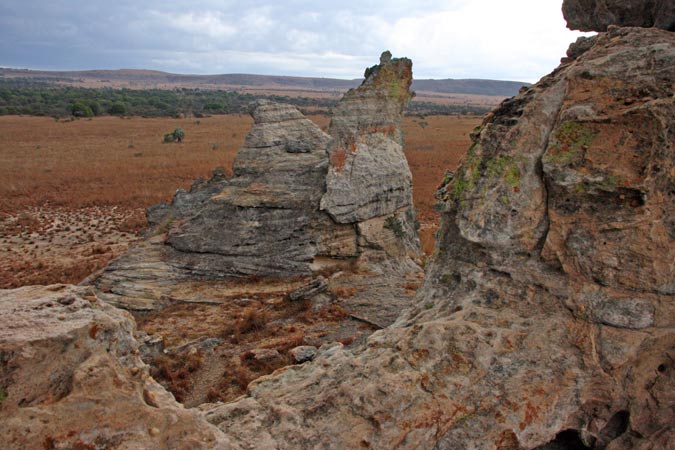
(506, 167)
(468, 174)
(568, 143)
(502, 168)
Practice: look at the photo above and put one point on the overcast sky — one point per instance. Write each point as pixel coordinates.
(498, 39)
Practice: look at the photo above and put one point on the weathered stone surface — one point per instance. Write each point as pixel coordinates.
(597, 15)
(261, 221)
(303, 353)
(266, 221)
(312, 289)
(546, 319)
(71, 378)
(369, 175)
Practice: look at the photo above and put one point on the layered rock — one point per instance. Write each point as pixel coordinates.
(71, 377)
(547, 318)
(597, 15)
(278, 216)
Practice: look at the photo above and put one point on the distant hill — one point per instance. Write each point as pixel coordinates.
(149, 79)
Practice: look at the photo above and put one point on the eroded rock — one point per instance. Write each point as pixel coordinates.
(597, 15)
(546, 317)
(274, 217)
(71, 377)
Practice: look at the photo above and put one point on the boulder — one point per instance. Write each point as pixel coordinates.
(303, 353)
(71, 377)
(597, 15)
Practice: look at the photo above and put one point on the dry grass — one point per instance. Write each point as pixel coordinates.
(434, 145)
(108, 160)
(119, 167)
(176, 373)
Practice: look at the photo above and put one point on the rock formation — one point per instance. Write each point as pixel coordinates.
(597, 15)
(291, 207)
(547, 318)
(71, 378)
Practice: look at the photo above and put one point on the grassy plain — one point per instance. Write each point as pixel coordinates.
(73, 193)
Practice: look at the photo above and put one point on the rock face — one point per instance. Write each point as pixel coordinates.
(288, 209)
(547, 317)
(597, 15)
(71, 378)
(368, 174)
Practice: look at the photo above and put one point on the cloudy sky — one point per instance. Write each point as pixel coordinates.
(498, 39)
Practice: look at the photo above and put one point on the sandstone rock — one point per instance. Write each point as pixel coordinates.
(312, 289)
(71, 378)
(369, 176)
(264, 354)
(547, 318)
(597, 15)
(303, 353)
(266, 221)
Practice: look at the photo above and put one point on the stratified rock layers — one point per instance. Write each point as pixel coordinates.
(547, 315)
(369, 176)
(71, 378)
(288, 204)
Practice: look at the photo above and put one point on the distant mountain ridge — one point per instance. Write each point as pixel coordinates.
(163, 80)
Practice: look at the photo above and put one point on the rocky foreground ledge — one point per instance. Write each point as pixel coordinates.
(71, 378)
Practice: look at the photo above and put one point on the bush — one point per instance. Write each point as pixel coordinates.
(176, 135)
(81, 110)
(117, 109)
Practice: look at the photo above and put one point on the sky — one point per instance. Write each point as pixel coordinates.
(518, 40)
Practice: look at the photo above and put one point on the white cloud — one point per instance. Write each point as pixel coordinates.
(517, 39)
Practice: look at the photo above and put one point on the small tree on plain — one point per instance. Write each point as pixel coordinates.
(176, 135)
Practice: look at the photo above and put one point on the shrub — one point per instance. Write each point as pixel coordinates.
(176, 135)
(117, 109)
(81, 110)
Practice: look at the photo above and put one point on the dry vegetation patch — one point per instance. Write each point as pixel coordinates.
(94, 178)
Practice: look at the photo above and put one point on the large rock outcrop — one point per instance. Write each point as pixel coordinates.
(288, 210)
(597, 15)
(547, 318)
(71, 378)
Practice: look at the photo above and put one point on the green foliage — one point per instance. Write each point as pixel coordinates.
(117, 109)
(3, 396)
(95, 107)
(23, 96)
(176, 135)
(81, 110)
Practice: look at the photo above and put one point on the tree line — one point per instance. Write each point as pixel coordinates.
(27, 97)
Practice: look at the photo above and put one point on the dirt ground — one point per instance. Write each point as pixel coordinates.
(73, 193)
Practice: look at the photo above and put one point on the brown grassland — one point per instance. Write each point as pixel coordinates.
(73, 193)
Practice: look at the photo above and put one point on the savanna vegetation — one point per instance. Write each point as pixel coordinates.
(37, 98)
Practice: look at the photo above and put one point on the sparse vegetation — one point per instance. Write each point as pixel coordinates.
(176, 135)
(76, 164)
